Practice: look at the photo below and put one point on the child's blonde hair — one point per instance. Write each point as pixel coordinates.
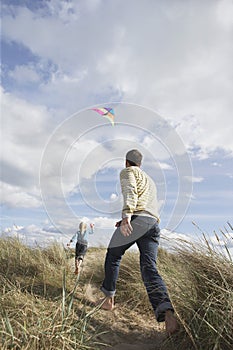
(82, 226)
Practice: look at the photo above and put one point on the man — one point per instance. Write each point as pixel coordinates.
(139, 225)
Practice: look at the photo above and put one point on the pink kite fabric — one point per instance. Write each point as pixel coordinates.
(105, 112)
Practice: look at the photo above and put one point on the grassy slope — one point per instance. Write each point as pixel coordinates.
(45, 306)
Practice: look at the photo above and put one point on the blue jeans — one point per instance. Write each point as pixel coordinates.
(146, 234)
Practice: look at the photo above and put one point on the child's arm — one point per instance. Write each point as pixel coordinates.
(91, 231)
(72, 239)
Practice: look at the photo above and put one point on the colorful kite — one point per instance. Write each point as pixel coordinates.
(106, 112)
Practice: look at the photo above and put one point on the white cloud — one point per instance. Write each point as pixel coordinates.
(152, 144)
(32, 235)
(43, 235)
(104, 222)
(164, 166)
(61, 9)
(24, 74)
(15, 196)
(26, 129)
(113, 196)
(178, 62)
(222, 240)
(104, 228)
(171, 238)
(217, 164)
(190, 196)
(224, 10)
(194, 178)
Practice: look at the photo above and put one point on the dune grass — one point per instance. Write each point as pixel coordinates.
(43, 306)
(37, 300)
(201, 287)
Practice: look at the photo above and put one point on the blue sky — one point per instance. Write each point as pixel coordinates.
(165, 68)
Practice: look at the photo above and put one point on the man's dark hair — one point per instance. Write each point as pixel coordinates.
(134, 157)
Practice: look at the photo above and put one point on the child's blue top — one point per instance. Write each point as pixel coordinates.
(82, 237)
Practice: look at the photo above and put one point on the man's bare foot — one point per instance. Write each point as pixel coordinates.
(106, 303)
(170, 322)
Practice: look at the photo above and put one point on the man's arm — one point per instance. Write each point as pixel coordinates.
(129, 192)
(125, 227)
(130, 197)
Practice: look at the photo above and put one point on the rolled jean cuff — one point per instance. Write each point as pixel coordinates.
(161, 309)
(108, 293)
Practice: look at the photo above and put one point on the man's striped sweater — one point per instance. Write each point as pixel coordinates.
(139, 193)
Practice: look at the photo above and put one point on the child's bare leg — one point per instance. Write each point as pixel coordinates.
(77, 265)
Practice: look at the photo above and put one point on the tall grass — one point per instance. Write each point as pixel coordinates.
(43, 306)
(37, 300)
(201, 287)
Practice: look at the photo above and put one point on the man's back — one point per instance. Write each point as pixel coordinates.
(139, 193)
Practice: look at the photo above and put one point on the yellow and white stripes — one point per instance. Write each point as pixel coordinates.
(139, 193)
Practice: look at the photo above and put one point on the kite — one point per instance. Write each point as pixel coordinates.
(106, 112)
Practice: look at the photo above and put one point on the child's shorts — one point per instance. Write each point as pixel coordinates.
(80, 251)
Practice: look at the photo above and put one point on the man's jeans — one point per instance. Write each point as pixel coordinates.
(146, 234)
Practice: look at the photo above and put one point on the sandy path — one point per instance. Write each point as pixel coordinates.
(124, 346)
(125, 330)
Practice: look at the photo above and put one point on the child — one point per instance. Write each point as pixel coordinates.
(81, 237)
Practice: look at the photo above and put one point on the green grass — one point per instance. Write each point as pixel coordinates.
(44, 306)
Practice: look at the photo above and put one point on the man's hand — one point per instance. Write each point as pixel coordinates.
(118, 224)
(126, 228)
(92, 225)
